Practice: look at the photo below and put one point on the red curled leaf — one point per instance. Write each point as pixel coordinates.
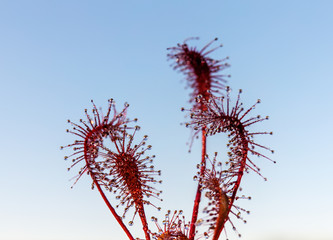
(203, 73)
(220, 117)
(106, 148)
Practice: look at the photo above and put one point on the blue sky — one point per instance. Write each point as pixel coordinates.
(55, 56)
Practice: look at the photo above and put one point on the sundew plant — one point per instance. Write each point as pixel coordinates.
(107, 150)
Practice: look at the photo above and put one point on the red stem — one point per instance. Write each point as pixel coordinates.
(144, 222)
(116, 216)
(198, 194)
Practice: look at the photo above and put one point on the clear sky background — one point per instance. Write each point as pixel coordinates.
(55, 56)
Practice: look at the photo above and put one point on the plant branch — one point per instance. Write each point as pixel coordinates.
(198, 194)
(116, 216)
(144, 222)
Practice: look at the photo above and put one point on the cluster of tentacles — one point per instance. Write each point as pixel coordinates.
(114, 162)
(202, 72)
(222, 186)
(174, 227)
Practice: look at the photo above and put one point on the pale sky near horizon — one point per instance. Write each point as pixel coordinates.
(55, 56)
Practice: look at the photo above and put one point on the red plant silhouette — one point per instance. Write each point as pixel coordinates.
(123, 169)
(202, 72)
(130, 173)
(222, 186)
(204, 77)
(117, 164)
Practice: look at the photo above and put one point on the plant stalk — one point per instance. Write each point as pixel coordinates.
(116, 216)
(198, 194)
(144, 222)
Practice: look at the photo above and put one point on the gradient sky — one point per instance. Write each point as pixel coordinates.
(56, 55)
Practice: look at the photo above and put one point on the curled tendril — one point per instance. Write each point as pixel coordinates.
(113, 160)
(222, 186)
(91, 133)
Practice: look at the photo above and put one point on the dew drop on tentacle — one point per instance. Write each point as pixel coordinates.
(199, 222)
